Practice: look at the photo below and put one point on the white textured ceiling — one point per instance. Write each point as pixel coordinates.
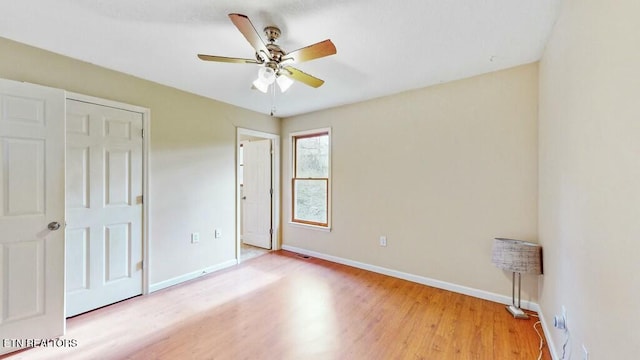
(384, 47)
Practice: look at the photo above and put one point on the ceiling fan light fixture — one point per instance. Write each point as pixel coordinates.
(261, 85)
(284, 83)
(266, 75)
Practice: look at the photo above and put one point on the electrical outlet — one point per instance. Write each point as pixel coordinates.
(195, 238)
(383, 241)
(217, 234)
(560, 321)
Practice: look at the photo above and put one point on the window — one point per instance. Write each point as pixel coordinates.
(310, 181)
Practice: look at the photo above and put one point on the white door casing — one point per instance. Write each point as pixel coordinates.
(104, 205)
(32, 180)
(256, 193)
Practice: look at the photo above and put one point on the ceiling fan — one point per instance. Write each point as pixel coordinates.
(276, 62)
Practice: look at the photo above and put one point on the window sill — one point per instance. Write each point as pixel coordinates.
(311, 227)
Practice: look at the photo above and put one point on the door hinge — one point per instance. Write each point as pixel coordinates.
(271, 192)
(139, 199)
(271, 231)
(141, 265)
(142, 133)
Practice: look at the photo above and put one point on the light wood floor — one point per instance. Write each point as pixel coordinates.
(282, 306)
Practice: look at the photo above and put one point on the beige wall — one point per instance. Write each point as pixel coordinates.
(440, 171)
(589, 136)
(192, 157)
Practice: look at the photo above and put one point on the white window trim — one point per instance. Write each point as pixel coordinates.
(292, 175)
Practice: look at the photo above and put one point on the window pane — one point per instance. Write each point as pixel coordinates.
(310, 197)
(312, 156)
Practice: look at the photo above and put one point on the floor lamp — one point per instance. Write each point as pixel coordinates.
(519, 257)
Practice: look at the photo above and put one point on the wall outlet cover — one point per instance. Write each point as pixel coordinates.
(383, 241)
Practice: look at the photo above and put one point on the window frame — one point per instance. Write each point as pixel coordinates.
(293, 137)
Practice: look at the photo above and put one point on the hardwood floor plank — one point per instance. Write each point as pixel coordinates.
(282, 306)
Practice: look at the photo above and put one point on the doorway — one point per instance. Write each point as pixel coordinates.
(258, 193)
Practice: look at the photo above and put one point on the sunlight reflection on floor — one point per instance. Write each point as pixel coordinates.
(95, 338)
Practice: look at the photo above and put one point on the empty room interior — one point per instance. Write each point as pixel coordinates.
(178, 181)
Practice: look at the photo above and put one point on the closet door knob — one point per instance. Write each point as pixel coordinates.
(53, 226)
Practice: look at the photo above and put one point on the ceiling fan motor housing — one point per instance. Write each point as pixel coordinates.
(275, 51)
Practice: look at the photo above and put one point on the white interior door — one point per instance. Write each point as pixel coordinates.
(104, 206)
(256, 193)
(31, 198)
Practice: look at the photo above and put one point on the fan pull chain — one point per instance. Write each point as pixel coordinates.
(273, 99)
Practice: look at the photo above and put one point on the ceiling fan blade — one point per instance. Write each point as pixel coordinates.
(227, 59)
(315, 51)
(302, 76)
(247, 29)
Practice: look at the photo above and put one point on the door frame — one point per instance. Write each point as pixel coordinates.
(146, 122)
(275, 181)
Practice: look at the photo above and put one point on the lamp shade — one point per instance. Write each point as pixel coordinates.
(517, 256)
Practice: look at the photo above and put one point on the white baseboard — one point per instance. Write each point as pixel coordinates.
(547, 334)
(416, 278)
(190, 276)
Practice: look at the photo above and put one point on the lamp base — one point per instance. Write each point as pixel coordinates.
(517, 312)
